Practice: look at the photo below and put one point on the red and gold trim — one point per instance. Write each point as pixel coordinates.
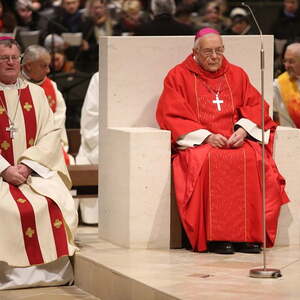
(30, 237)
(6, 144)
(29, 116)
(58, 228)
(50, 93)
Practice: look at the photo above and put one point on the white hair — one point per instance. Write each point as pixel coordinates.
(33, 52)
(159, 7)
(295, 47)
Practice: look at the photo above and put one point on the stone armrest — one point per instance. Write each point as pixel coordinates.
(287, 157)
(135, 186)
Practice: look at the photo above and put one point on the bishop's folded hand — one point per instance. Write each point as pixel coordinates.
(24, 170)
(216, 140)
(237, 138)
(13, 176)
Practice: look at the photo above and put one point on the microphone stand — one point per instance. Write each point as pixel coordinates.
(262, 272)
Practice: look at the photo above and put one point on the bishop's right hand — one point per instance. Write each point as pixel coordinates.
(216, 140)
(12, 175)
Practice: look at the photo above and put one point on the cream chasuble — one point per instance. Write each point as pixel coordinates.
(38, 218)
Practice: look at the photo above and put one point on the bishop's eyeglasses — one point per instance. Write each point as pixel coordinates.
(210, 52)
(7, 58)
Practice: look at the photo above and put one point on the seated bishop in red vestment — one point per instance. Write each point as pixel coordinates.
(214, 115)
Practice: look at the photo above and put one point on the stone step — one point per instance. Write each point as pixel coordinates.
(48, 293)
(112, 272)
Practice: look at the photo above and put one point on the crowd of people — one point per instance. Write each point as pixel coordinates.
(53, 20)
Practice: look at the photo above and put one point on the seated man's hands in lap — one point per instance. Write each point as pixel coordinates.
(16, 175)
(235, 141)
(237, 138)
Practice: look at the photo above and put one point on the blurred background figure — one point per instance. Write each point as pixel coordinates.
(27, 17)
(7, 19)
(35, 68)
(286, 104)
(28, 24)
(96, 23)
(132, 16)
(62, 64)
(240, 23)
(163, 22)
(67, 18)
(287, 24)
(212, 16)
(286, 29)
(59, 62)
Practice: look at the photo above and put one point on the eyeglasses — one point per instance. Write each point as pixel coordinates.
(210, 52)
(7, 58)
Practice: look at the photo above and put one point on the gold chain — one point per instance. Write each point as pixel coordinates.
(211, 89)
(12, 121)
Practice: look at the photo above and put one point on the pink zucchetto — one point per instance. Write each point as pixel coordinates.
(3, 38)
(204, 31)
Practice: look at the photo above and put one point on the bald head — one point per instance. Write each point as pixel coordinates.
(295, 48)
(291, 60)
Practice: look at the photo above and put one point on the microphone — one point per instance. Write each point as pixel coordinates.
(262, 272)
(262, 57)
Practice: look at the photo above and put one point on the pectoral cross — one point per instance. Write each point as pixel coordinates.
(12, 130)
(218, 102)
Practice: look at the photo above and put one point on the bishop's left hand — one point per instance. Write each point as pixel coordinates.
(24, 170)
(237, 138)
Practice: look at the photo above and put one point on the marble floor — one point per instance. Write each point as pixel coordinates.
(110, 272)
(125, 274)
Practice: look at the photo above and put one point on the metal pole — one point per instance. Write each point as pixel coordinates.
(263, 272)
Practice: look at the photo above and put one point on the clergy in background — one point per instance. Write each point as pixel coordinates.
(213, 113)
(38, 216)
(286, 86)
(88, 153)
(35, 68)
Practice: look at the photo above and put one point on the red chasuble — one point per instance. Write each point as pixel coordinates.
(218, 191)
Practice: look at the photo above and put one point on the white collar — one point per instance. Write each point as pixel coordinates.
(24, 74)
(16, 85)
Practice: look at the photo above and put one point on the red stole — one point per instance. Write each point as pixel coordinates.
(50, 93)
(28, 110)
(52, 100)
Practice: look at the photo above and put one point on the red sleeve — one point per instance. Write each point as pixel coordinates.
(251, 108)
(173, 110)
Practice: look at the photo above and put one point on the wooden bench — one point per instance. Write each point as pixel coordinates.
(84, 177)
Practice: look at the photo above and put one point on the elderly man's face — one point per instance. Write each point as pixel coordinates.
(9, 64)
(291, 63)
(37, 70)
(209, 52)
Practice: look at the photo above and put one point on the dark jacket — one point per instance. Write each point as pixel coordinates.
(286, 27)
(164, 25)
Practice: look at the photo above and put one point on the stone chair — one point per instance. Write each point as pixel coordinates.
(135, 210)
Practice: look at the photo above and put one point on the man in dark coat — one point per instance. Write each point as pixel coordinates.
(164, 22)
